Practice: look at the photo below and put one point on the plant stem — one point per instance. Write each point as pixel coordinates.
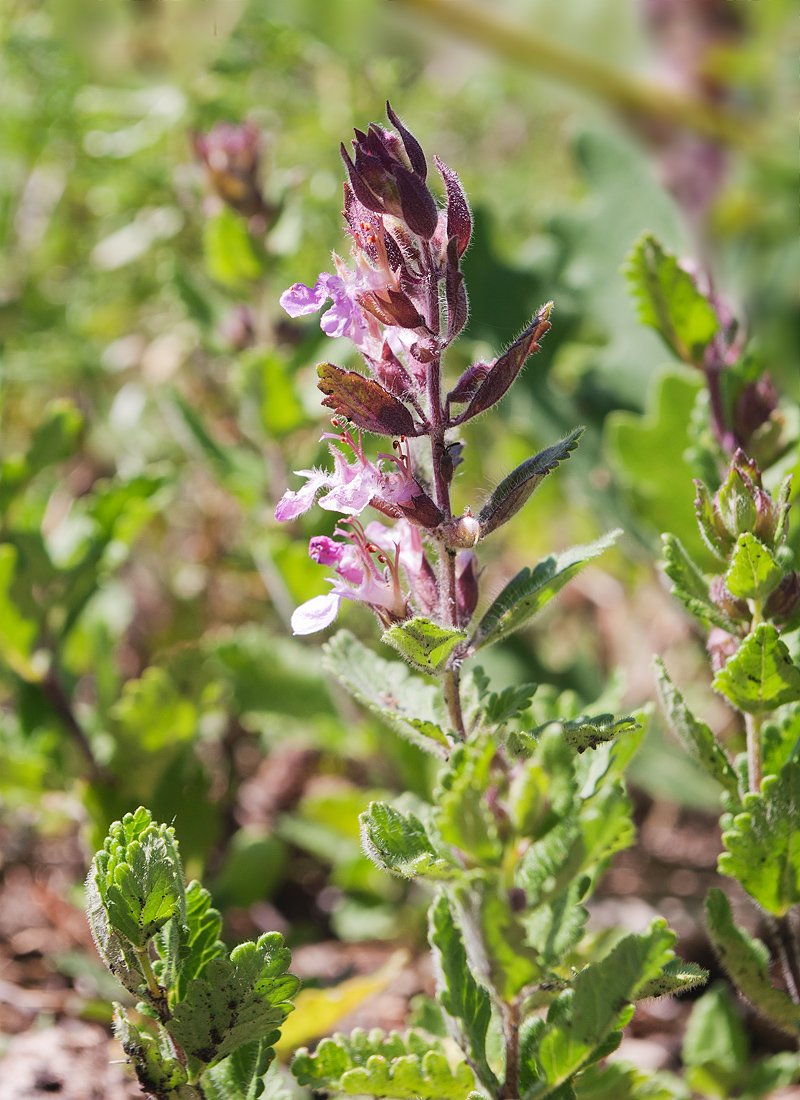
(511, 1013)
(448, 605)
(788, 952)
(53, 689)
(645, 100)
(752, 723)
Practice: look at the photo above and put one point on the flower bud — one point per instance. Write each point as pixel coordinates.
(733, 606)
(466, 585)
(782, 605)
(742, 506)
(232, 158)
(463, 533)
(720, 645)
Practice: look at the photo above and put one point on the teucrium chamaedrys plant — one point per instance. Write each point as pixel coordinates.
(214, 1015)
(750, 608)
(530, 803)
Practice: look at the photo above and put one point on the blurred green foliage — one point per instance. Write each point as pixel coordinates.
(154, 399)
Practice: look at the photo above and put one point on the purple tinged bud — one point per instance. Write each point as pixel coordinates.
(742, 505)
(720, 645)
(467, 385)
(733, 606)
(459, 219)
(756, 404)
(782, 606)
(416, 156)
(467, 589)
(715, 534)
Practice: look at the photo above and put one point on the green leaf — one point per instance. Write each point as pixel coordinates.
(186, 948)
(425, 645)
(237, 1000)
(695, 736)
(17, 634)
(669, 301)
(399, 843)
(466, 1003)
(239, 1076)
(690, 586)
(747, 961)
(512, 963)
(763, 843)
(230, 256)
(157, 1069)
(590, 1011)
(623, 1081)
(53, 440)
(462, 814)
(383, 1066)
(715, 1042)
(389, 690)
(515, 490)
(511, 701)
(760, 676)
(530, 590)
(676, 977)
(753, 571)
(587, 733)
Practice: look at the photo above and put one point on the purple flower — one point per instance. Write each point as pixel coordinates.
(358, 577)
(344, 318)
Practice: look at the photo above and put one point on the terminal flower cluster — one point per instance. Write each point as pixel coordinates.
(402, 301)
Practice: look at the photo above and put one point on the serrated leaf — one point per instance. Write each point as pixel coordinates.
(467, 1004)
(695, 736)
(424, 644)
(763, 843)
(676, 977)
(593, 1007)
(389, 689)
(747, 961)
(515, 490)
(237, 1000)
(157, 1069)
(364, 401)
(530, 590)
(587, 733)
(511, 701)
(690, 586)
(383, 1066)
(753, 571)
(399, 843)
(669, 301)
(239, 1076)
(619, 1080)
(187, 947)
(716, 1040)
(760, 676)
(137, 879)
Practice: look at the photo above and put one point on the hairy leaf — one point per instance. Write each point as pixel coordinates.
(158, 1071)
(760, 676)
(466, 1003)
(695, 736)
(504, 371)
(587, 733)
(763, 843)
(514, 491)
(186, 948)
(592, 1008)
(383, 1066)
(237, 1000)
(690, 586)
(389, 689)
(239, 1076)
(425, 645)
(364, 401)
(399, 843)
(501, 707)
(747, 961)
(753, 571)
(669, 301)
(676, 977)
(531, 589)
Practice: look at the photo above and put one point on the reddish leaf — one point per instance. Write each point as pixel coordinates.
(364, 401)
(508, 366)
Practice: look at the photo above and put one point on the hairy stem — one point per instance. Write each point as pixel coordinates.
(752, 723)
(452, 696)
(511, 1020)
(788, 952)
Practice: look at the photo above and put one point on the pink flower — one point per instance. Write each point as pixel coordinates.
(358, 577)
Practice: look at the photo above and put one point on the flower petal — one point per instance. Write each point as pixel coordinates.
(301, 299)
(315, 614)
